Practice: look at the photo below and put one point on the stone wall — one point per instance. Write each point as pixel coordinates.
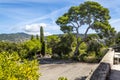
(102, 71)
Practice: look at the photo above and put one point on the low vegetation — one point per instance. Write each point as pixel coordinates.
(13, 68)
(62, 78)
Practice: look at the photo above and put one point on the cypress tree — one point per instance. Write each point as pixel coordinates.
(42, 41)
(37, 37)
(41, 34)
(32, 37)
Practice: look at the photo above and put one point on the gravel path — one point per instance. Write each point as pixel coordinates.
(73, 71)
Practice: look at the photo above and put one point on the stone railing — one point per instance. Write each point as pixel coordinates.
(102, 70)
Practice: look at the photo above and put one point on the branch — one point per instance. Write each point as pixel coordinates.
(73, 25)
(79, 25)
(90, 25)
(85, 35)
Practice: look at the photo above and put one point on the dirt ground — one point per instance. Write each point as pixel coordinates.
(71, 70)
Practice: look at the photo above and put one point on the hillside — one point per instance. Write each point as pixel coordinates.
(15, 37)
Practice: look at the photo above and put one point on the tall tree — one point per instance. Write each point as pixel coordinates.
(42, 41)
(117, 38)
(41, 34)
(37, 37)
(90, 14)
(32, 37)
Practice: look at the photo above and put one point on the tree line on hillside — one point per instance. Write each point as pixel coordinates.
(60, 46)
(15, 37)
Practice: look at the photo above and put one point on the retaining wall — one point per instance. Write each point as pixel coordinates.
(103, 69)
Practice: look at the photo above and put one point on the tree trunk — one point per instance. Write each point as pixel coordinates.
(78, 44)
(76, 50)
(76, 53)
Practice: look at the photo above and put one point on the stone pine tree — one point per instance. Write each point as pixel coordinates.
(89, 15)
(42, 41)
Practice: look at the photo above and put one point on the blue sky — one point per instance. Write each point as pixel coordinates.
(28, 15)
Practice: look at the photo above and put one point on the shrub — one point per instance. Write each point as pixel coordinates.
(31, 47)
(12, 68)
(64, 48)
(91, 57)
(62, 78)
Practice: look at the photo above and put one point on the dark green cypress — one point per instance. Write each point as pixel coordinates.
(37, 37)
(41, 34)
(42, 41)
(32, 37)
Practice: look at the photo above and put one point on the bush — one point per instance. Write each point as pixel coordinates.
(26, 49)
(12, 68)
(91, 57)
(64, 48)
(31, 47)
(62, 78)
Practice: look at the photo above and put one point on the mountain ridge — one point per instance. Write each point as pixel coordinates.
(14, 37)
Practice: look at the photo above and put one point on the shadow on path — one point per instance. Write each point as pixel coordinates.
(115, 75)
(82, 78)
(55, 61)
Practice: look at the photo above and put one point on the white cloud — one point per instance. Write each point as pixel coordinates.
(47, 33)
(34, 27)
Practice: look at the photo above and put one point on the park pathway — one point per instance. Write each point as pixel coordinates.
(73, 71)
(115, 70)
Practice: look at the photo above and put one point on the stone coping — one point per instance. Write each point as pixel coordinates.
(102, 71)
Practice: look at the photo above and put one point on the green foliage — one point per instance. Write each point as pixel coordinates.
(117, 38)
(82, 51)
(12, 68)
(83, 48)
(92, 37)
(62, 78)
(52, 42)
(37, 37)
(6, 46)
(91, 57)
(42, 41)
(15, 37)
(41, 34)
(31, 47)
(91, 14)
(64, 48)
(43, 48)
(27, 49)
(94, 51)
(32, 37)
(94, 45)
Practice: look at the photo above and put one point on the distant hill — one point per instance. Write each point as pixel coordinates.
(15, 37)
(21, 37)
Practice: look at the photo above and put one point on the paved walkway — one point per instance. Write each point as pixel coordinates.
(115, 71)
(73, 71)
